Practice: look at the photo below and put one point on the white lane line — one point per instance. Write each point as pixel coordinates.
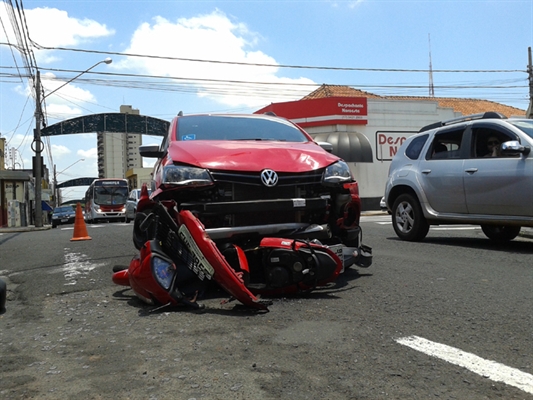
(486, 368)
(70, 228)
(77, 266)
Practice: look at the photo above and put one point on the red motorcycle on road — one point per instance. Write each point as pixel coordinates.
(177, 261)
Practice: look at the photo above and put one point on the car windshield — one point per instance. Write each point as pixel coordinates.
(209, 127)
(525, 126)
(63, 209)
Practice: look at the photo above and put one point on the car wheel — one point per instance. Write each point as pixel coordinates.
(408, 220)
(501, 233)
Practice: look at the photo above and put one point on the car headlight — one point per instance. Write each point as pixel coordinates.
(163, 271)
(186, 176)
(336, 173)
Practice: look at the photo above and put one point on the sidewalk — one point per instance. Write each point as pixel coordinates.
(29, 228)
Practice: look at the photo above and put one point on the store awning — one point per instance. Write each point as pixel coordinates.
(46, 206)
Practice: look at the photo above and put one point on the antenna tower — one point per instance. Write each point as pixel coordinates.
(431, 88)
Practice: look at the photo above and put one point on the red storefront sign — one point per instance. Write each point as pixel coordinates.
(325, 111)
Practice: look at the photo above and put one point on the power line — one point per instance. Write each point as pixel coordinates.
(40, 47)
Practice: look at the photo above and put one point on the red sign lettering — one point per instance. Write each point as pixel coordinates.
(388, 144)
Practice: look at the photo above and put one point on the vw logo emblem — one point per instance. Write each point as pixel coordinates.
(269, 177)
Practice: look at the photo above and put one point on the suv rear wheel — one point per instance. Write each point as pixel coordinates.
(408, 220)
(501, 233)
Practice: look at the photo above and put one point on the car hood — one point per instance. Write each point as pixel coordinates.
(251, 155)
(64, 214)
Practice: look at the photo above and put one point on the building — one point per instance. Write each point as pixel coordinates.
(118, 152)
(137, 176)
(366, 129)
(17, 193)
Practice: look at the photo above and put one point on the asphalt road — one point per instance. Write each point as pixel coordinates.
(378, 333)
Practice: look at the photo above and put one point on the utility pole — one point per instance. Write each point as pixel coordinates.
(431, 87)
(56, 190)
(529, 113)
(37, 147)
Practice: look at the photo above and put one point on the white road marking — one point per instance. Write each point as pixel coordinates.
(386, 220)
(70, 228)
(76, 266)
(455, 228)
(486, 368)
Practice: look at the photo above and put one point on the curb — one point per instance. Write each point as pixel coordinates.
(25, 229)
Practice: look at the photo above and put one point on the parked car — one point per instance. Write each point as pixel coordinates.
(383, 205)
(131, 204)
(63, 215)
(476, 169)
(246, 177)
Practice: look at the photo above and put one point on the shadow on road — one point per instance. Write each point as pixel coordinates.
(329, 292)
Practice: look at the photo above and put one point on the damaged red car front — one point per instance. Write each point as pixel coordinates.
(251, 177)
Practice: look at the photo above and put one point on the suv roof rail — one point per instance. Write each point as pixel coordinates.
(485, 115)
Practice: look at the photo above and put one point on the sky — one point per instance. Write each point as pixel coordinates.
(239, 56)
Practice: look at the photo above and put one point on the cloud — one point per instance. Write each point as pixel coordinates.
(73, 31)
(62, 104)
(91, 154)
(60, 150)
(355, 3)
(211, 37)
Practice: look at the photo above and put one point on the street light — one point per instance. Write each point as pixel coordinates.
(106, 61)
(56, 189)
(37, 145)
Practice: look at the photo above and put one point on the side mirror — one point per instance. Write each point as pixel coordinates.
(514, 147)
(326, 146)
(150, 151)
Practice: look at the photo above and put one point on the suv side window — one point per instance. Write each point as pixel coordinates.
(486, 141)
(415, 147)
(446, 145)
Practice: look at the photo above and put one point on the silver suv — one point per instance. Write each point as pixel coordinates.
(476, 169)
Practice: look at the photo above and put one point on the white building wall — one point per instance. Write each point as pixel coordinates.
(114, 155)
(391, 120)
(119, 152)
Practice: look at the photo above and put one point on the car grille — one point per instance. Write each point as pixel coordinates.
(285, 179)
(233, 187)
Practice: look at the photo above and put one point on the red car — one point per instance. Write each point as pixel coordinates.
(252, 180)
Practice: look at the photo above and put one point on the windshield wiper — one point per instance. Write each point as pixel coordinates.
(261, 139)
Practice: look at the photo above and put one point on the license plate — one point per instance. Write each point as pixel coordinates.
(199, 264)
(64, 219)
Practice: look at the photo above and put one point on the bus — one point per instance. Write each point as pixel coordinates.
(105, 200)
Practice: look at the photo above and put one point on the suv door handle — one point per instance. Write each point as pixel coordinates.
(426, 171)
(471, 170)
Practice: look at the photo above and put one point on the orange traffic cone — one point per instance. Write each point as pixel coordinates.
(80, 229)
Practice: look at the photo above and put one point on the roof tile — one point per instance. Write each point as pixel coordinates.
(461, 105)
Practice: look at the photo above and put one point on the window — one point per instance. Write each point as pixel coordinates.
(486, 141)
(446, 145)
(415, 147)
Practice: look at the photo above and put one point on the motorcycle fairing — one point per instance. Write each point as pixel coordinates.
(139, 277)
(224, 275)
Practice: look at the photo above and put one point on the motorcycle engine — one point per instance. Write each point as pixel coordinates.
(284, 267)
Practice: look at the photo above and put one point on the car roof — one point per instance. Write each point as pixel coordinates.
(489, 115)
